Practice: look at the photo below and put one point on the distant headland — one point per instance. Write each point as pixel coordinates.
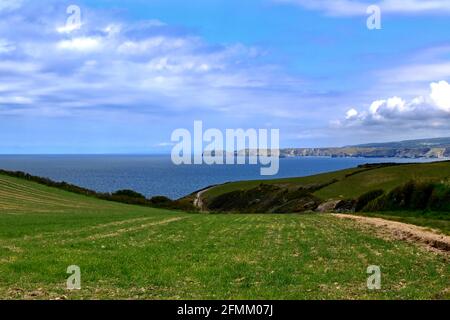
(436, 148)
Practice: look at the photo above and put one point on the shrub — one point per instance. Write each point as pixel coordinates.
(346, 206)
(160, 200)
(418, 196)
(128, 194)
(440, 198)
(364, 199)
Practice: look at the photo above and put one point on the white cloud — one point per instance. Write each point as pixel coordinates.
(332, 7)
(375, 106)
(68, 28)
(431, 110)
(351, 114)
(150, 45)
(80, 44)
(110, 65)
(396, 103)
(415, 6)
(357, 8)
(440, 94)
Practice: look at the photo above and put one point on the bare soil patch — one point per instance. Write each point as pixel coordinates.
(430, 239)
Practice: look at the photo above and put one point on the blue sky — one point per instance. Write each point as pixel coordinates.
(137, 70)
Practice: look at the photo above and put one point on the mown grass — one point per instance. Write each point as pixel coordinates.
(134, 252)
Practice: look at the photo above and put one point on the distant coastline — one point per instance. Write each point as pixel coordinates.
(437, 148)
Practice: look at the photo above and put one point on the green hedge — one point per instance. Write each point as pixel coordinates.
(416, 196)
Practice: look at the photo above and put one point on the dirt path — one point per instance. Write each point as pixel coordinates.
(431, 240)
(198, 201)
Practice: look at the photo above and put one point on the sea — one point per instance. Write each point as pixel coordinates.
(154, 175)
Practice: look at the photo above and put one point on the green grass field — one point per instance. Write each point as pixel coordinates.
(142, 253)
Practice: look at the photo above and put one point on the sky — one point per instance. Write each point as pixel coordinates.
(131, 72)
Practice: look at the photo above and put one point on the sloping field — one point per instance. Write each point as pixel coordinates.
(134, 252)
(21, 196)
(350, 183)
(289, 182)
(385, 178)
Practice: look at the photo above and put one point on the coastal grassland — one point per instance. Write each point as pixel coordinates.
(289, 182)
(127, 251)
(353, 183)
(350, 183)
(385, 178)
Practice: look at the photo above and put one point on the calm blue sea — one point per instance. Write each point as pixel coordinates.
(156, 175)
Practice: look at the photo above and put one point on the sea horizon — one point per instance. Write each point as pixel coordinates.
(156, 175)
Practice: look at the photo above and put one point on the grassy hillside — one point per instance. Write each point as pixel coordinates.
(386, 178)
(289, 182)
(351, 183)
(307, 193)
(127, 251)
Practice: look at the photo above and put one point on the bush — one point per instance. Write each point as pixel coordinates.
(266, 199)
(440, 198)
(415, 196)
(411, 196)
(128, 194)
(364, 199)
(420, 196)
(160, 200)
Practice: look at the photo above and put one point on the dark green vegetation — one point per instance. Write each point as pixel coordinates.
(421, 203)
(366, 198)
(267, 198)
(421, 190)
(412, 196)
(127, 251)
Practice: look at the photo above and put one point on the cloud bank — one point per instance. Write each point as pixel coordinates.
(106, 64)
(432, 110)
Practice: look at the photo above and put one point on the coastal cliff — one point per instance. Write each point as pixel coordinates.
(437, 148)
